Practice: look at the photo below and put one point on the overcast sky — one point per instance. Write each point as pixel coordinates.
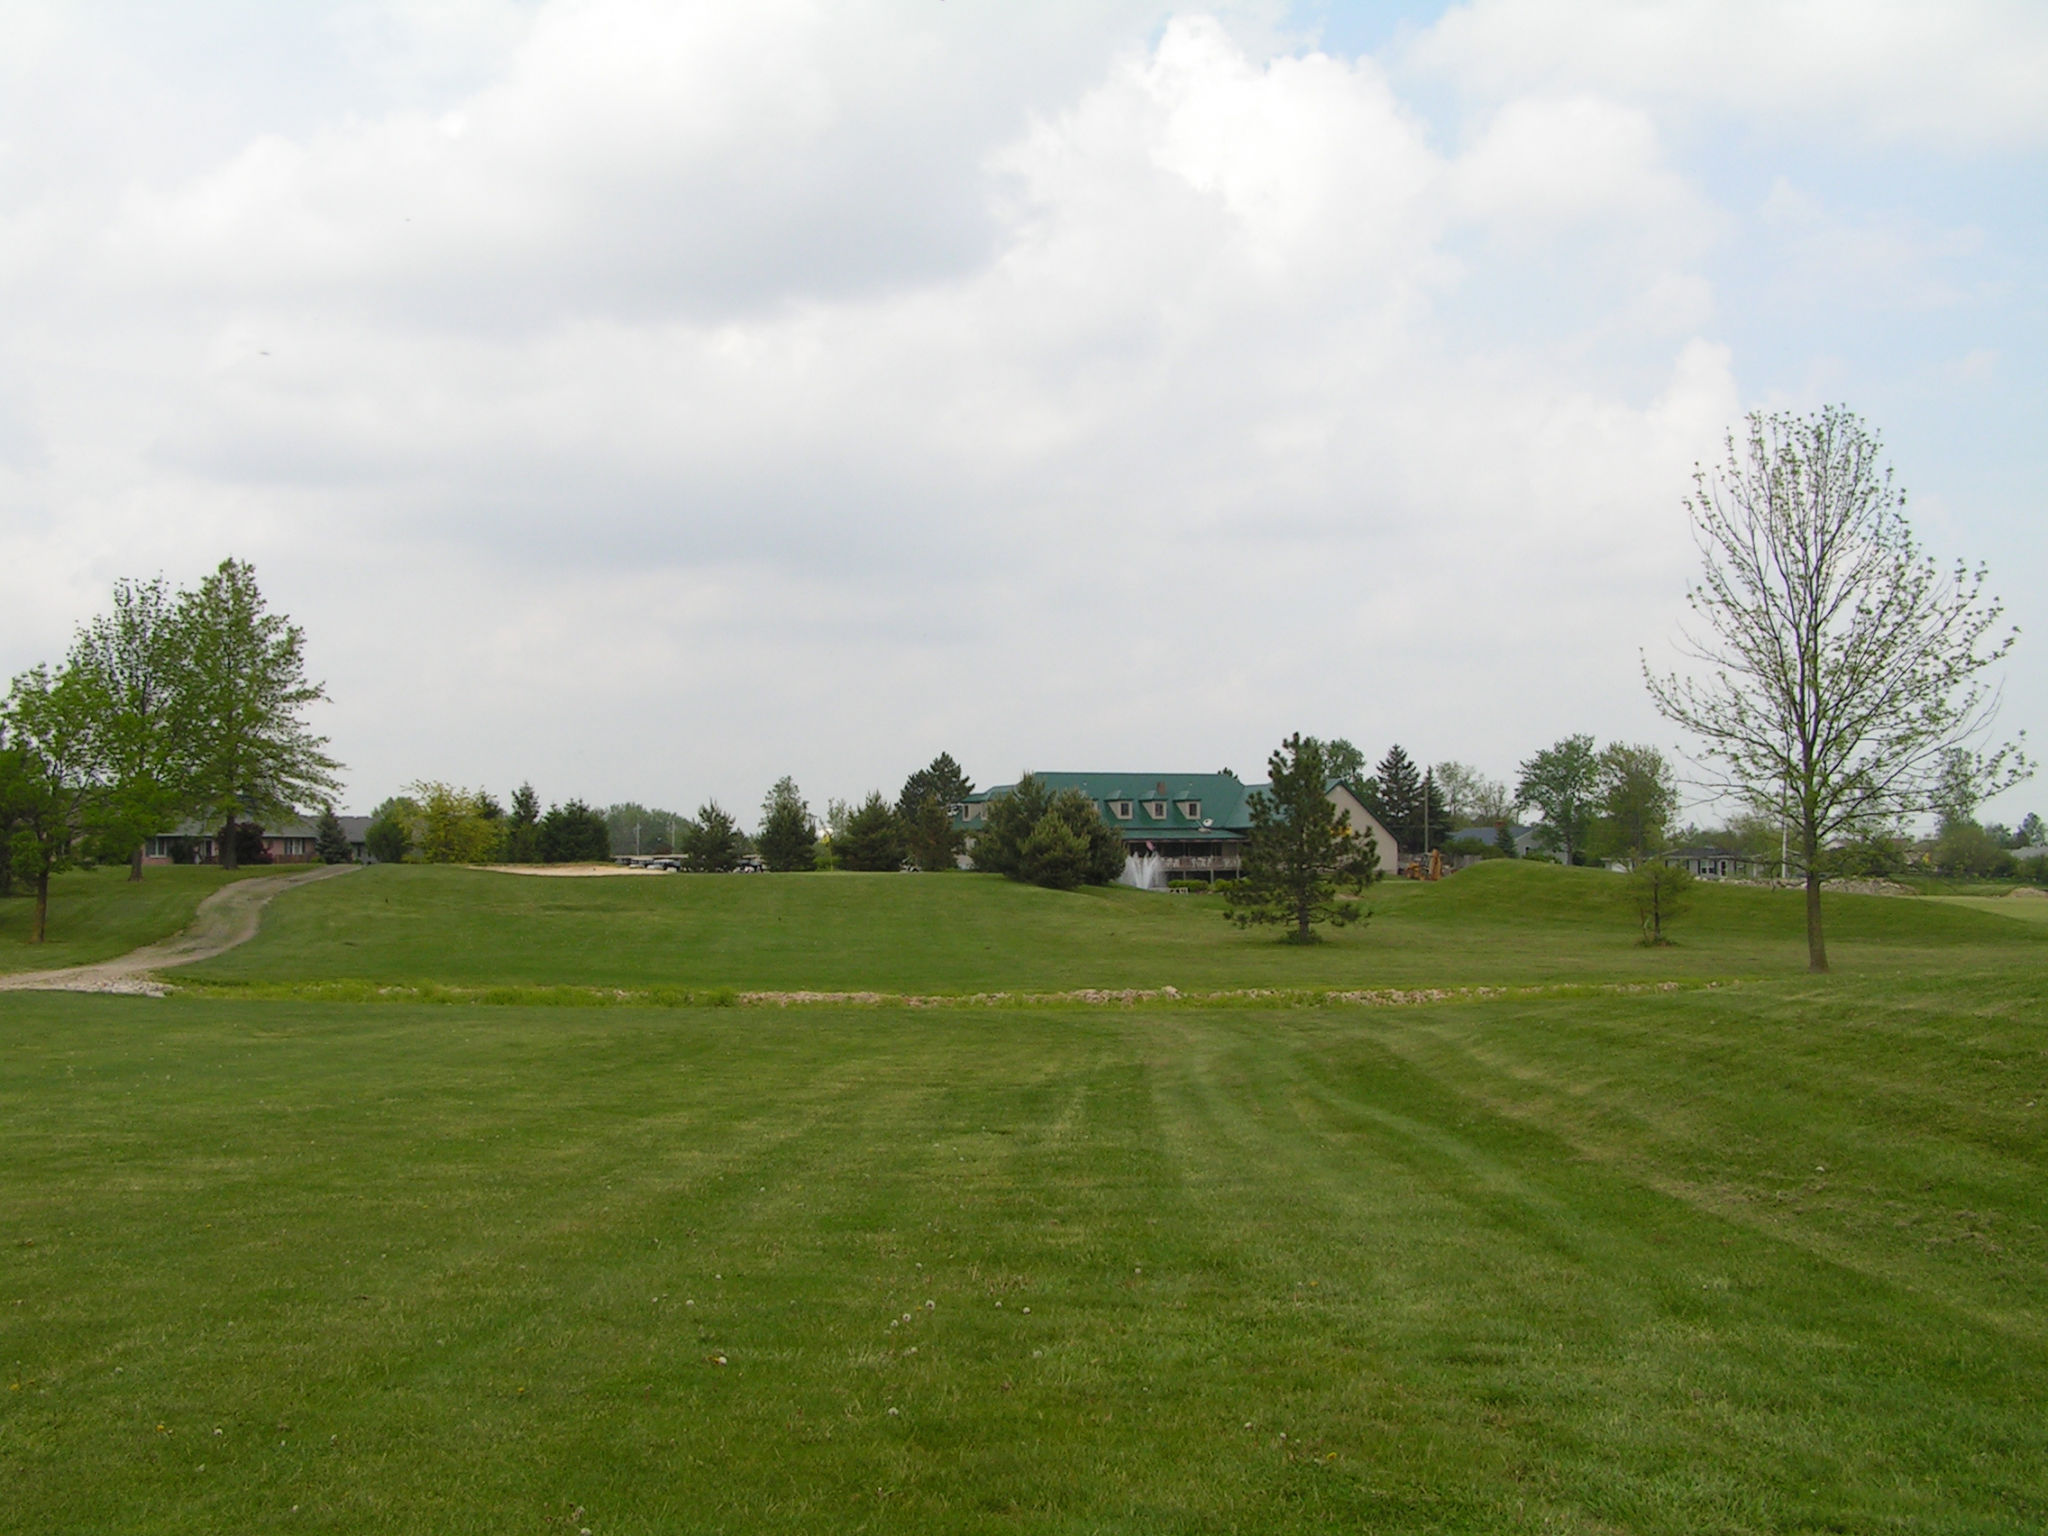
(649, 400)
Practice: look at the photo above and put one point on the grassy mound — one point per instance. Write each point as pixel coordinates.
(1504, 923)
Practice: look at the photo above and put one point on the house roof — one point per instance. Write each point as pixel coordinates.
(356, 828)
(1218, 799)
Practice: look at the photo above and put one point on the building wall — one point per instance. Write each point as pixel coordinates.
(1365, 824)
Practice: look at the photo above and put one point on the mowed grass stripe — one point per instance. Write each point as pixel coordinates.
(1450, 1253)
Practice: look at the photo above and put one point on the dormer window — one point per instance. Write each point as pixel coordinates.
(1192, 809)
(1120, 809)
(1156, 809)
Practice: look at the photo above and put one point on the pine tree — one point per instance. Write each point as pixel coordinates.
(1300, 850)
(789, 838)
(873, 839)
(330, 842)
(522, 827)
(711, 841)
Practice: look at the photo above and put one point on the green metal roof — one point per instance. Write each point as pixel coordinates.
(1218, 800)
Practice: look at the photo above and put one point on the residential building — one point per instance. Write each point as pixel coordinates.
(290, 842)
(1186, 826)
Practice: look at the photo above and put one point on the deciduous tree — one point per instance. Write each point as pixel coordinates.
(53, 779)
(1842, 668)
(1638, 798)
(251, 752)
(1563, 782)
(135, 664)
(1300, 850)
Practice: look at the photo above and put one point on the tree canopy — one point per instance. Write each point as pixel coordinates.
(1843, 673)
(250, 750)
(872, 839)
(1563, 782)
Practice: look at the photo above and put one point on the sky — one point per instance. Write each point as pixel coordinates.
(647, 401)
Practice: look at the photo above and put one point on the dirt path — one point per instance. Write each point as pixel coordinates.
(226, 918)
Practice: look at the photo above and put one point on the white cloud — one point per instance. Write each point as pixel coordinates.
(1963, 75)
(795, 388)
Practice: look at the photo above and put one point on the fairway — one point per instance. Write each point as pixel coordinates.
(1759, 1253)
(1505, 923)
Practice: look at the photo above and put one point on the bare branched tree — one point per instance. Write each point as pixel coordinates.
(1844, 671)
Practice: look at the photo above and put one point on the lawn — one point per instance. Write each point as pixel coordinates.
(1507, 923)
(96, 914)
(1756, 1253)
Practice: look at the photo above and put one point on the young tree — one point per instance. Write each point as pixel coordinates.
(1638, 798)
(872, 839)
(1070, 844)
(1300, 850)
(1564, 783)
(330, 841)
(134, 662)
(711, 842)
(54, 779)
(573, 834)
(522, 827)
(251, 753)
(789, 838)
(1842, 666)
(1660, 892)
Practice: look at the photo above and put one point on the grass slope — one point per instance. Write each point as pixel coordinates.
(1503, 922)
(1763, 1259)
(96, 914)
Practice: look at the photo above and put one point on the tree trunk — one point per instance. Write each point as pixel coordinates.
(1816, 946)
(135, 863)
(40, 923)
(227, 845)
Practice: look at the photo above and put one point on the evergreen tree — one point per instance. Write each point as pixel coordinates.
(573, 834)
(522, 827)
(1300, 850)
(393, 827)
(711, 842)
(999, 846)
(941, 780)
(330, 842)
(873, 839)
(1408, 803)
(789, 838)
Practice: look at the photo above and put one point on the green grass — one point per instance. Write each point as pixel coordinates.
(96, 914)
(1769, 1258)
(1755, 1253)
(1499, 923)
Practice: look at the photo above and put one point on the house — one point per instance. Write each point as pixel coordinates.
(290, 842)
(1186, 826)
(1525, 840)
(1713, 863)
